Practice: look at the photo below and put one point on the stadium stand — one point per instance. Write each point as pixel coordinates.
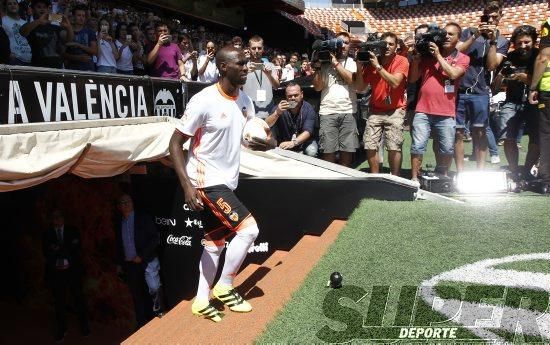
(403, 20)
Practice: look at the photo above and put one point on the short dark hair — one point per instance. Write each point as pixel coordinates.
(524, 30)
(455, 25)
(492, 6)
(389, 34)
(291, 84)
(45, 2)
(79, 7)
(421, 26)
(117, 30)
(161, 24)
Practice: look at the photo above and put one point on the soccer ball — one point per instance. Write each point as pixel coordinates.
(255, 128)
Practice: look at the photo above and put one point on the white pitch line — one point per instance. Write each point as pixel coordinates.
(492, 316)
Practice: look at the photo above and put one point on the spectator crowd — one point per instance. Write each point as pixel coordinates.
(473, 85)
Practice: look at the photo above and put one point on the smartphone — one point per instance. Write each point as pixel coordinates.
(128, 38)
(167, 39)
(55, 17)
(258, 66)
(484, 18)
(104, 29)
(292, 104)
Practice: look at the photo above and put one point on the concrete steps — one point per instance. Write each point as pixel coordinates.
(268, 287)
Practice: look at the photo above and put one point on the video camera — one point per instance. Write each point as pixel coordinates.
(435, 35)
(507, 69)
(322, 49)
(373, 45)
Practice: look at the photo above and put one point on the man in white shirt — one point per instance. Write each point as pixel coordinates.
(213, 122)
(338, 128)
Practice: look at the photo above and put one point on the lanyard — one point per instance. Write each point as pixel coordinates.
(296, 124)
(260, 78)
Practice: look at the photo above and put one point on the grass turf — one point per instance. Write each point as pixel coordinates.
(540, 266)
(400, 244)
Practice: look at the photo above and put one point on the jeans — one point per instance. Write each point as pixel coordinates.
(444, 126)
(152, 276)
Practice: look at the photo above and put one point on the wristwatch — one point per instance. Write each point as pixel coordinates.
(378, 68)
(295, 142)
(493, 43)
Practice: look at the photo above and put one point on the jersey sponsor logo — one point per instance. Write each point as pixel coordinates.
(165, 104)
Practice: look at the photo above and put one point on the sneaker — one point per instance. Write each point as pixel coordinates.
(500, 142)
(495, 159)
(467, 137)
(519, 146)
(231, 298)
(206, 310)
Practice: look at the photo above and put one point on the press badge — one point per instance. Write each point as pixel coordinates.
(261, 95)
(449, 86)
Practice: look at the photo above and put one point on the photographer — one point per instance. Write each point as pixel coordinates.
(338, 132)
(486, 49)
(515, 109)
(539, 93)
(294, 122)
(165, 58)
(436, 106)
(44, 37)
(388, 79)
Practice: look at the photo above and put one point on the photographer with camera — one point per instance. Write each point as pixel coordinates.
(165, 57)
(516, 109)
(208, 72)
(388, 79)
(334, 78)
(440, 74)
(486, 49)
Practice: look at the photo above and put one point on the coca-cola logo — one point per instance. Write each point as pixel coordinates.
(179, 241)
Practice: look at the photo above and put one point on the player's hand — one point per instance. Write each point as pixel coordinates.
(257, 144)
(287, 145)
(193, 198)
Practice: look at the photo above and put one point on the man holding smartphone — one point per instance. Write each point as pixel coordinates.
(44, 37)
(293, 121)
(165, 57)
(80, 51)
(486, 49)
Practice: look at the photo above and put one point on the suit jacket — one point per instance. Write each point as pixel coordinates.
(69, 249)
(146, 238)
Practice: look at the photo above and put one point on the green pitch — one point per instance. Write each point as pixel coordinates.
(388, 249)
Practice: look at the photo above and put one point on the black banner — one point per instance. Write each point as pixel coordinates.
(346, 2)
(33, 95)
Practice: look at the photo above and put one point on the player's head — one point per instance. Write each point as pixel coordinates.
(232, 64)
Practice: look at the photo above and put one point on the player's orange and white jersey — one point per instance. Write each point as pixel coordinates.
(215, 121)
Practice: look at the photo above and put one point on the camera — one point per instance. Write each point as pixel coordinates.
(508, 69)
(435, 35)
(324, 48)
(373, 45)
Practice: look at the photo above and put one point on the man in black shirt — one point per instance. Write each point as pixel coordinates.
(516, 72)
(44, 35)
(293, 121)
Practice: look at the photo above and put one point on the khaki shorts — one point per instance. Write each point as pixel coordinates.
(391, 124)
(338, 132)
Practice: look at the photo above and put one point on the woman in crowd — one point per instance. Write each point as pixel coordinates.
(126, 49)
(108, 54)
